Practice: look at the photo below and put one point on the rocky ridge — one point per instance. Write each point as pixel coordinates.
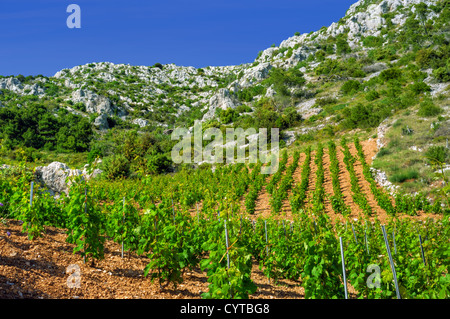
(133, 93)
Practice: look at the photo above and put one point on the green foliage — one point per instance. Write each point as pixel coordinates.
(85, 223)
(342, 46)
(158, 163)
(364, 116)
(247, 94)
(282, 79)
(429, 109)
(33, 126)
(350, 87)
(372, 41)
(437, 155)
(227, 116)
(404, 175)
(116, 166)
(390, 74)
(372, 95)
(420, 87)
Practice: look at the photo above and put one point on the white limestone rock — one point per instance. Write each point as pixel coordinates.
(223, 99)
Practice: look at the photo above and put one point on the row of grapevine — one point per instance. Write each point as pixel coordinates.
(280, 194)
(337, 200)
(319, 190)
(276, 177)
(254, 189)
(358, 196)
(383, 198)
(298, 197)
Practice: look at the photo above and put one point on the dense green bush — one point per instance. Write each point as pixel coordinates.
(227, 116)
(390, 74)
(350, 87)
(342, 46)
(428, 108)
(372, 95)
(420, 87)
(282, 79)
(437, 154)
(116, 166)
(372, 41)
(341, 68)
(404, 175)
(158, 163)
(247, 94)
(34, 126)
(364, 116)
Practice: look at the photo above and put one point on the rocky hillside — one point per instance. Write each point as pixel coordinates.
(160, 94)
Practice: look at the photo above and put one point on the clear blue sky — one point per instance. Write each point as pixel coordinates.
(34, 37)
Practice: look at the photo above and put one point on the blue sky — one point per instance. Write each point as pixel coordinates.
(34, 37)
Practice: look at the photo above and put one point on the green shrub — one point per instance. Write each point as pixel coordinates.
(437, 154)
(442, 74)
(428, 109)
(158, 163)
(402, 176)
(383, 152)
(364, 116)
(372, 96)
(227, 116)
(342, 46)
(350, 87)
(390, 74)
(372, 41)
(419, 87)
(116, 166)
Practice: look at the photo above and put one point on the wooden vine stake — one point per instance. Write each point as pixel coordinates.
(343, 268)
(397, 290)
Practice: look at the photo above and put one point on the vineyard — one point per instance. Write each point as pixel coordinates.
(228, 233)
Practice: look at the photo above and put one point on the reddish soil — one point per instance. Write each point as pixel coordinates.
(37, 269)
